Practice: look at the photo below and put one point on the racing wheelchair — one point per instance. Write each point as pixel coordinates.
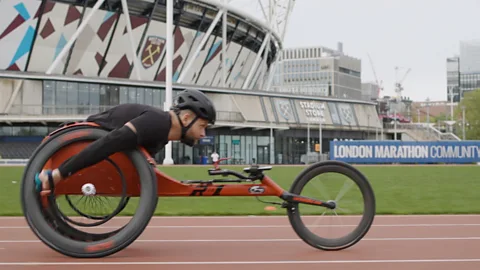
(134, 175)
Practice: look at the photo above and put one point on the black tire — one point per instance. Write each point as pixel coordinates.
(53, 216)
(55, 220)
(52, 231)
(368, 199)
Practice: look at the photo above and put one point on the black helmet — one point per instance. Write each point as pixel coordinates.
(196, 101)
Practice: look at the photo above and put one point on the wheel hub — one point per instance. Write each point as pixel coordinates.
(333, 203)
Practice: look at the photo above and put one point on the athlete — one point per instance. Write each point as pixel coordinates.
(133, 125)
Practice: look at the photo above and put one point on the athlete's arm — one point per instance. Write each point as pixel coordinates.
(117, 140)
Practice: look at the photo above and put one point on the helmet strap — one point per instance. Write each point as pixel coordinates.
(183, 139)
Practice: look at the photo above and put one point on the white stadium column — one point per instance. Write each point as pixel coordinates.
(224, 47)
(168, 83)
(255, 63)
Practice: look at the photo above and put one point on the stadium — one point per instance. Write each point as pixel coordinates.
(64, 60)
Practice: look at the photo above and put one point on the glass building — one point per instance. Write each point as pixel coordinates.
(318, 71)
(463, 71)
(469, 82)
(470, 56)
(453, 79)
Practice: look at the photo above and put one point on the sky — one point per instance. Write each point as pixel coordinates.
(415, 34)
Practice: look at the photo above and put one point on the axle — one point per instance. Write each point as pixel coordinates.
(294, 198)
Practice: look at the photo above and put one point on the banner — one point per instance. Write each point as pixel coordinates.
(405, 152)
(207, 140)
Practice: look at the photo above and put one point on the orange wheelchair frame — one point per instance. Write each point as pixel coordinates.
(167, 186)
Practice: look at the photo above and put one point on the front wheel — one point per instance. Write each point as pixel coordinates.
(354, 211)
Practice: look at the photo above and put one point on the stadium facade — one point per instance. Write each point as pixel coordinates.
(119, 59)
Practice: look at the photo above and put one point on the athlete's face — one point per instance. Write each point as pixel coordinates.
(198, 129)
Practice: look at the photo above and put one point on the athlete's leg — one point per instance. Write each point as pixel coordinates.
(118, 140)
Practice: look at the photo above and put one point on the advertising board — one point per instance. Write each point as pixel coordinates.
(405, 152)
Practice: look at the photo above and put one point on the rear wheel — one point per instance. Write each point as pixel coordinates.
(100, 218)
(52, 228)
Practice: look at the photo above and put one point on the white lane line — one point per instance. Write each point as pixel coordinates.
(269, 240)
(280, 216)
(268, 226)
(238, 262)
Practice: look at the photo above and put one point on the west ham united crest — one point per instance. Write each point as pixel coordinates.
(151, 51)
(283, 107)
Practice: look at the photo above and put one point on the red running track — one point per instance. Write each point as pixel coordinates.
(393, 243)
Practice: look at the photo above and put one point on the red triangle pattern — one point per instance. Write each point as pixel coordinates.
(136, 22)
(13, 67)
(19, 20)
(72, 15)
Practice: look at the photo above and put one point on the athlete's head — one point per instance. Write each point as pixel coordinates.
(195, 111)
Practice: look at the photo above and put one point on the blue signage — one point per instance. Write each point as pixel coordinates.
(405, 152)
(207, 140)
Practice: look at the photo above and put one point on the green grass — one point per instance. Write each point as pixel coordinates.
(398, 190)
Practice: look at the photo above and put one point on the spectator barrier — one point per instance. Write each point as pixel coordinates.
(426, 152)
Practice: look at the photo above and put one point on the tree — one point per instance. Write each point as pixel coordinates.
(440, 118)
(471, 102)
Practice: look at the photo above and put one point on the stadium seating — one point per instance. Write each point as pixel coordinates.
(17, 150)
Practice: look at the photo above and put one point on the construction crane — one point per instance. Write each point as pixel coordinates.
(398, 83)
(379, 83)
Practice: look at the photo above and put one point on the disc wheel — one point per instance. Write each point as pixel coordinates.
(49, 226)
(346, 211)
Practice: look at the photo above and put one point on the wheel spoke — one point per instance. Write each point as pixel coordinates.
(344, 190)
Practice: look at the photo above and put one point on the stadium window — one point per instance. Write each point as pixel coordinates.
(20, 131)
(123, 95)
(61, 92)
(48, 97)
(103, 95)
(72, 98)
(140, 95)
(83, 96)
(38, 131)
(148, 96)
(157, 99)
(94, 98)
(6, 131)
(132, 95)
(113, 95)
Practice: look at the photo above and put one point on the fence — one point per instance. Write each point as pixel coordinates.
(13, 162)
